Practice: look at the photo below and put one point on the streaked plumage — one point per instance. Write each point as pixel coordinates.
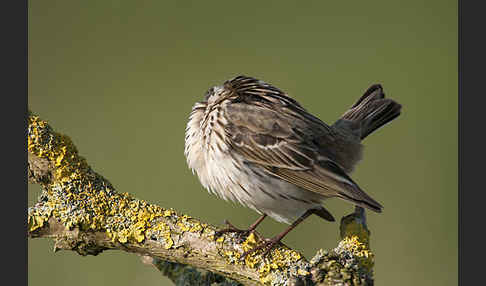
(251, 143)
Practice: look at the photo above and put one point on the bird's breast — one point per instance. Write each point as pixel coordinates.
(206, 150)
(229, 176)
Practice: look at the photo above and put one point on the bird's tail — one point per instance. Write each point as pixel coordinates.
(372, 110)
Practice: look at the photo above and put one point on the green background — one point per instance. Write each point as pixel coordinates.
(120, 78)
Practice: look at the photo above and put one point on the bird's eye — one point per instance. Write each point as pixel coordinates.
(208, 94)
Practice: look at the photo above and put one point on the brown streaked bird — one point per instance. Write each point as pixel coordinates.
(250, 143)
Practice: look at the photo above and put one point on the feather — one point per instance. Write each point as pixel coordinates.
(273, 131)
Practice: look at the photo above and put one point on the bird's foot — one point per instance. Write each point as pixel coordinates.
(266, 246)
(242, 233)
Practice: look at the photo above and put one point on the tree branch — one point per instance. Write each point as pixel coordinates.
(82, 212)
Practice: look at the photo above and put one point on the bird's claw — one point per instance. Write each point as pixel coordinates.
(242, 233)
(267, 245)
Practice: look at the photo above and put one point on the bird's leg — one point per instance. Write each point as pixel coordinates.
(231, 228)
(268, 244)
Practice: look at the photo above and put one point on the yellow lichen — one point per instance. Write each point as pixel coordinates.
(36, 221)
(186, 223)
(168, 241)
(303, 272)
(123, 235)
(182, 223)
(162, 229)
(355, 246)
(138, 231)
(249, 243)
(168, 213)
(278, 259)
(267, 279)
(251, 261)
(82, 198)
(54, 147)
(267, 266)
(358, 249)
(196, 227)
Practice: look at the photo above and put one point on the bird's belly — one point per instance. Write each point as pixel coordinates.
(231, 179)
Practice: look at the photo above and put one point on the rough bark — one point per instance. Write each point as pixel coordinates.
(82, 212)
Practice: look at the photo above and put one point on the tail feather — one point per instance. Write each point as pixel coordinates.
(372, 110)
(360, 198)
(323, 213)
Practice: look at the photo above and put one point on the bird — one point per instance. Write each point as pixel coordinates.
(251, 143)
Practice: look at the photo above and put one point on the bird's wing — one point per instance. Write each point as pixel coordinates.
(271, 130)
